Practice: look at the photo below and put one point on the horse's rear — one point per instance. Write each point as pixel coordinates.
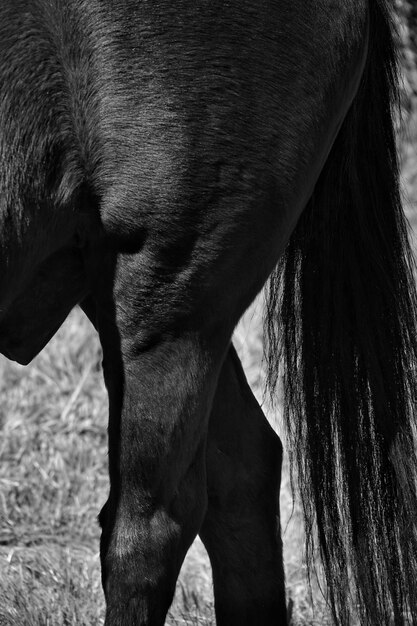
(155, 160)
(141, 122)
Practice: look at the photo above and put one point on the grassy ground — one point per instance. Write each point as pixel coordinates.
(53, 482)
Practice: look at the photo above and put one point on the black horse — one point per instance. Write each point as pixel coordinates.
(158, 159)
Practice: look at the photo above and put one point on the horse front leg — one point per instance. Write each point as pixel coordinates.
(241, 529)
(159, 403)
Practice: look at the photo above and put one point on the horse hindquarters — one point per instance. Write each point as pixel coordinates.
(205, 167)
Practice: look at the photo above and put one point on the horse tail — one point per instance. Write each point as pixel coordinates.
(346, 336)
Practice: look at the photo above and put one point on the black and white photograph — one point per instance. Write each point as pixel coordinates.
(208, 313)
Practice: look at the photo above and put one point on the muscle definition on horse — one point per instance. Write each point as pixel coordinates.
(158, 160)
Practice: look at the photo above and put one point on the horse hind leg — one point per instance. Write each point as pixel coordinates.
(160, 396)
(241, 530)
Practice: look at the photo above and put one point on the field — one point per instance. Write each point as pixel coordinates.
(53, 481)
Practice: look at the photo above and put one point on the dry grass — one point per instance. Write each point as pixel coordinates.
(53, 482)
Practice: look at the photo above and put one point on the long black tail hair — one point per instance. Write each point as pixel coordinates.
(346, 336)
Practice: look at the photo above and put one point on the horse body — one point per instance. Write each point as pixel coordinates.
(156, 158)
(197, 107)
